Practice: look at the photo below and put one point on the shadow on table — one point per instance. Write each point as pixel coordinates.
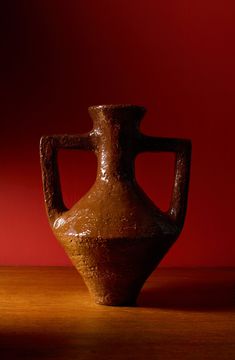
(47, 345)
(191, 296)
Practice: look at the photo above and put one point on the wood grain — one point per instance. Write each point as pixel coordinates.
(46, 313)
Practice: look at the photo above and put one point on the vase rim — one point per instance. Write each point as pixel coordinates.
(116, 106)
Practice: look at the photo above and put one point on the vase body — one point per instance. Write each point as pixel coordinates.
(115, 235)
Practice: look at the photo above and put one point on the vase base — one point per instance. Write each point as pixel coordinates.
(112, 299)
(121, 304)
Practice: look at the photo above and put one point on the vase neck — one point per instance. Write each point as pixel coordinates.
(117, 128)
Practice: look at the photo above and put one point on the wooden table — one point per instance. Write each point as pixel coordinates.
(46, 313)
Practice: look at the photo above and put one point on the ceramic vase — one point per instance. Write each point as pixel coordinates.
(115, 235)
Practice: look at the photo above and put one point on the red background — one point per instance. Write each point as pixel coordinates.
(177, 58)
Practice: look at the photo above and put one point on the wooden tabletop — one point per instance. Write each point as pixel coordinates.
(46, 313)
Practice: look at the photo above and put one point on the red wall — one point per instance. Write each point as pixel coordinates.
(177, 58)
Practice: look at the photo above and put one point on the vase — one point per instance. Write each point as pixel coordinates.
(115, 235)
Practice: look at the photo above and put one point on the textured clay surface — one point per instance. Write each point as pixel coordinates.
(115, 235)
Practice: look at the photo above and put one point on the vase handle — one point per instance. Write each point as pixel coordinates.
(183, 149)
(49, 146)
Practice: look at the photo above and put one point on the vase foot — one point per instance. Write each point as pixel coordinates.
(112, 300)
(125, 303)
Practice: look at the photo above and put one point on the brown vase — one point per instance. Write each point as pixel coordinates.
(115, 235)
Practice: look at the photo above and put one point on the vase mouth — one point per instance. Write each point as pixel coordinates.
(116, 106)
